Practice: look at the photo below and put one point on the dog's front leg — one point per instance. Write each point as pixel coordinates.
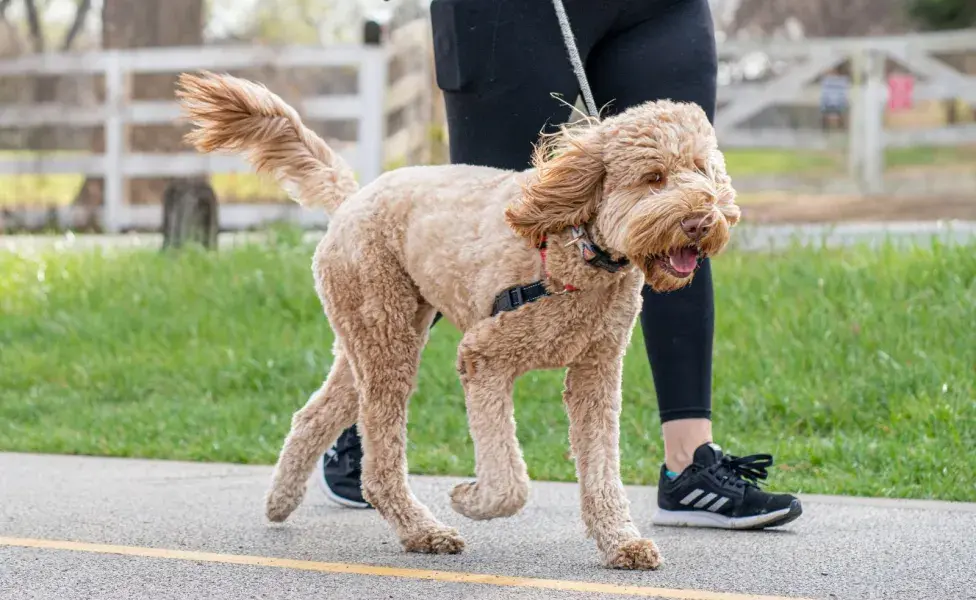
(502, 488)
(592, 398)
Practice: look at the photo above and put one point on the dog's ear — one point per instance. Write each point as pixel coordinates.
(566, 187)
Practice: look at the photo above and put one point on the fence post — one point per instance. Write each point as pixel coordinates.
(114, 175)
(873, 113)
(855, 138)
(372, 120)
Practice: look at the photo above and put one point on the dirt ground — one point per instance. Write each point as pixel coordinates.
(790, 208)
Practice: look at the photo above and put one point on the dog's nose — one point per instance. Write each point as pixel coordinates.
(695, 228)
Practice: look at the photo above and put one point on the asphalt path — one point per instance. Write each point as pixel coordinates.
(81, 527)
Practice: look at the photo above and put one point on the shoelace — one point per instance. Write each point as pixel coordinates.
(751, 468)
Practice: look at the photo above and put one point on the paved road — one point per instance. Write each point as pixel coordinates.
(749, 237)
(764, 237)
(132, 529)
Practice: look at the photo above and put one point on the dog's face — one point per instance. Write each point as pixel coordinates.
(650, 182)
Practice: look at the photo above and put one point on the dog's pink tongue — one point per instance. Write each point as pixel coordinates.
(684, 260)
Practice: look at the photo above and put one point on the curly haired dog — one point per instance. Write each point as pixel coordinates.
(609, 204)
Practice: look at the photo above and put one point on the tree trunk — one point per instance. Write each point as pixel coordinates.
(189, 214)
(144, 24)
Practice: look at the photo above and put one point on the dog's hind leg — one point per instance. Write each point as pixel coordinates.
(592, 398)
(332, 408)
(385, 358)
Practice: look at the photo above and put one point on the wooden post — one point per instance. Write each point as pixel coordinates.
(873, 127)
(372, 121)
(426, 109)
(115, 92)
(855, 120)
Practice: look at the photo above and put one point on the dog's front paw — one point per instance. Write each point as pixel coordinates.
(281, 502)
(435, 540)
(640, 554)
(482, 502)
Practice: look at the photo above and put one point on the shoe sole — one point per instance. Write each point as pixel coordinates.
(703, 518)
(335, 498)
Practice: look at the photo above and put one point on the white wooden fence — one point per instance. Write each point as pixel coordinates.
(867, 138)
(375, 99)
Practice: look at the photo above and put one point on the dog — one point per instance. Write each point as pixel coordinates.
(540, 269)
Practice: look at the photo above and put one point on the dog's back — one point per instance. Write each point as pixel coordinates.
(445, 226)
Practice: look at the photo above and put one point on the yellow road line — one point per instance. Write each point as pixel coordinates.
(378, 571)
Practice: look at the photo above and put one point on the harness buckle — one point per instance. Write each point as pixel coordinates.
(515, 297)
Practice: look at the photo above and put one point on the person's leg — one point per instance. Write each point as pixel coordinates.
(666, 50)
(498, 65)
(673, 45)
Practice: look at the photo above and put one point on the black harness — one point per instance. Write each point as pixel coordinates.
(520, 295)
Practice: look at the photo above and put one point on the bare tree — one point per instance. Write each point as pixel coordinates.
(77, 24)
(35, 23)
(10, 36)
(45, 88)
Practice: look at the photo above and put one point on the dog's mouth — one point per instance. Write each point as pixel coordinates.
(680, 262)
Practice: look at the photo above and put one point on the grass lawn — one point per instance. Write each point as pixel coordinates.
(743, 162)
(61, 189)
(856, 368)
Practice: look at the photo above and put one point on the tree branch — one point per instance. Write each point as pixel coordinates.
(81, 13)
(34, 22)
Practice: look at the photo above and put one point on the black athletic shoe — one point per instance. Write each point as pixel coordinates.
(340, 473)
(723, 492)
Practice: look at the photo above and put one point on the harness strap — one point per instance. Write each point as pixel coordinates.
(517, 296)
(520, 295)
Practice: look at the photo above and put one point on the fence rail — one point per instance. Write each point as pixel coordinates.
(868, 61)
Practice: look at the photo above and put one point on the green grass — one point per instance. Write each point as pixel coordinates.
(923, 157)
(743, 162)
(856, 368)
(61, 189)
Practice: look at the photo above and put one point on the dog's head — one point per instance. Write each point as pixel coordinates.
(650, 183)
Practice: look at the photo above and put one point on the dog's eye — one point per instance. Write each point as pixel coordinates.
(654, 180)
(700, 167)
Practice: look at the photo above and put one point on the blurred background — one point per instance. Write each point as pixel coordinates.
(845, 311)
(827, 109)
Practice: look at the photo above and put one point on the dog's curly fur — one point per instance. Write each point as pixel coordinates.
(419, 240)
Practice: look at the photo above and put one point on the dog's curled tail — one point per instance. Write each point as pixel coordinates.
(230, 114)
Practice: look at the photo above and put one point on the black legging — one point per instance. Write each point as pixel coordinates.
(499, 62)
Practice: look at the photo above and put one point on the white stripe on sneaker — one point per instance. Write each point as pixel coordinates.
(701, 503)
(718, 504)
(690, 497)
